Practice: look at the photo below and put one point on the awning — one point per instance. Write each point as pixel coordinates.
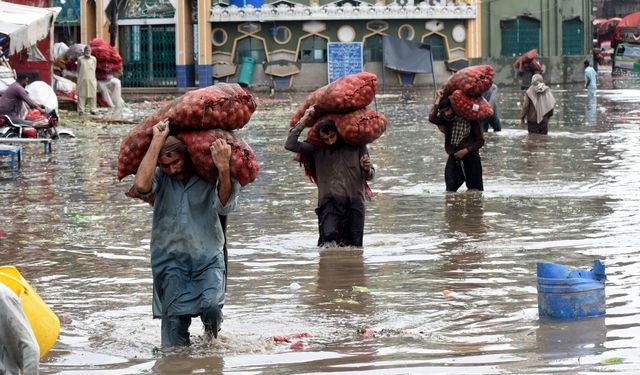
(25, 25)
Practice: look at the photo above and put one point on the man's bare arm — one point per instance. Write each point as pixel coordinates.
(144, 177)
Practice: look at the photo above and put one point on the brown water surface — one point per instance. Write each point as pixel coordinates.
(447, 281)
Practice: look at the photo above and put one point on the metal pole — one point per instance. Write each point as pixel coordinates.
(433, 72)
(383, 64)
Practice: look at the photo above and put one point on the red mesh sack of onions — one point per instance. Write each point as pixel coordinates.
(221, 106)
(132, 150)
(108, 59)
(225, 106)
(359, 127)
(470, 108)
(473, 80)
(344, 95)
(527, 57)
(243, 164)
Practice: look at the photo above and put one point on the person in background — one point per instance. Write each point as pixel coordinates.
(490, 96)
(19, 350)
(341, 172)
(537, 106)
(87, 84)
(462, 142)
(187, 236)
(13, 99)
(589, 79)
(597, 55)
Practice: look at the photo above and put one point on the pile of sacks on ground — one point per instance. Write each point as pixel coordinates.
(198, 118)
(465, 88)
(344, 101)
(528, 62)
(108, 68)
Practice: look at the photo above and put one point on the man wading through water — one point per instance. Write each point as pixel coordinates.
(187, 237)
(341, 172)
(462, 142)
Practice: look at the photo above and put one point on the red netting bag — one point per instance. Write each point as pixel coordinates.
(221, 106)
(470, 108)
(108, 59)
(344, 95)
(472, 80)
(132, 150)
(527, 57)
(243, 164)
(359, 127)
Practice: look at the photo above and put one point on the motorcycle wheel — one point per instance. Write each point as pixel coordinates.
(12, 134)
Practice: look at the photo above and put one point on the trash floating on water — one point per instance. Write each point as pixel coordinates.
(570, 294)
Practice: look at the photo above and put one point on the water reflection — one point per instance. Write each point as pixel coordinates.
(569, 339)
(464, 213)
(187, 364)
(341, 283)
(591, 111)
(567, 197)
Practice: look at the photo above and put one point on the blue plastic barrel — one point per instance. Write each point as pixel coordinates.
(571, 294)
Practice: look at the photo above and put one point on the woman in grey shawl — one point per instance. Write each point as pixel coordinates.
(538, 106)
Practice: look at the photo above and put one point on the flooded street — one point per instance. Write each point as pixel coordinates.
(446, 281)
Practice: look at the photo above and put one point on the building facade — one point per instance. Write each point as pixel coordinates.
(561, 30)
(198, 42)
(283, 43)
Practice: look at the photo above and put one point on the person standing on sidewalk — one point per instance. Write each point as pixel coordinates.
(87, 84)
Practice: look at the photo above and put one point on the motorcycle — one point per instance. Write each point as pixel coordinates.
(36, 125)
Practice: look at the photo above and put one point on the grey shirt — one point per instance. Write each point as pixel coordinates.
(338, 168)
(19, 349)
(187, 244)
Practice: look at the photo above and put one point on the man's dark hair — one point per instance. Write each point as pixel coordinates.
(586, 63)
(444, 103)
(21, 77)
(326, 126)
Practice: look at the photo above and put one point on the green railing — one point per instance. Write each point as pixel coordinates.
(149, 55)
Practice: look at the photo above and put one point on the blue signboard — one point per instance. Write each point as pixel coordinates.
(343, 59)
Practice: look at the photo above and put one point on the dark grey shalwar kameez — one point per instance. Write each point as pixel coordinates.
(341, 189)
(187, 258)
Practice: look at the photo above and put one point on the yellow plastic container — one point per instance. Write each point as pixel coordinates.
(44, 322)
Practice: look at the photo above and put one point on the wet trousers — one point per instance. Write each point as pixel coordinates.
(175, 329)
(340, 220)
(466, 170)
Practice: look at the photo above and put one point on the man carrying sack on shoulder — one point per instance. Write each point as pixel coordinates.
(187, 237)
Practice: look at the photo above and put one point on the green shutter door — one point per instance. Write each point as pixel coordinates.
(520, 36)
(148, 55)
(572, 37)
(437, 47)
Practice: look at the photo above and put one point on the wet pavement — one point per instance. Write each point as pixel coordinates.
(445, 284)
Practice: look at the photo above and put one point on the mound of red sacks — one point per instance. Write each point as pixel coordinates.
(465, 87)
(198, 118)
(108, 60)
(344, 101)
(529, 62)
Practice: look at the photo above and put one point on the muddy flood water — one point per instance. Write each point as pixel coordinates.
(445, 283)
